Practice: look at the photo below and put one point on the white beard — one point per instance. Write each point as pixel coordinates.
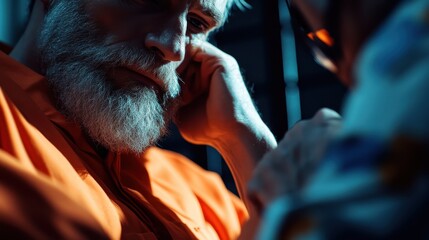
(77, 57)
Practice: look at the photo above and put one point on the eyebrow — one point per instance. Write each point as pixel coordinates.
(209, 9)
(214, 14)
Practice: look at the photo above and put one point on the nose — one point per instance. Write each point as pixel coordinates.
(168, 41)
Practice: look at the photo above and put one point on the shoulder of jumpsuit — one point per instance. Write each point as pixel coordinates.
(32, 83)
(391, 72)
(31, 94)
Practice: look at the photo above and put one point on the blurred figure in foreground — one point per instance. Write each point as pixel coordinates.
(364, 177)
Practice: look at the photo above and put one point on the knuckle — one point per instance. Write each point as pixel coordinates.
(324, 115)
(294, 128)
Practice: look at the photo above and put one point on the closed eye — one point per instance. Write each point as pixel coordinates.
(197, 25)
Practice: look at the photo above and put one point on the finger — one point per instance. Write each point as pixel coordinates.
(194, 83)
(203, 48)
(326, 114)
(190, 51)
(295, 133)
(195, 46)
(206, 52)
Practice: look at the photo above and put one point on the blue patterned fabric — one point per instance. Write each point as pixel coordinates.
(384, 196)
(374, 182)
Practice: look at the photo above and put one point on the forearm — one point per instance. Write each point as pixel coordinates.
(242, 152)
(243, 148)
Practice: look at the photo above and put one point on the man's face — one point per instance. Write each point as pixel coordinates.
(112, 63)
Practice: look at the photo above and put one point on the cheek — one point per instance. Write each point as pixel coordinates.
(106, 16)
(113, 19)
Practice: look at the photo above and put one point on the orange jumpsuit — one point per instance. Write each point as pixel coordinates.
(54, 185)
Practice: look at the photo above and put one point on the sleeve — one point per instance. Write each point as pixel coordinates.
(27, 198)
(364, 190)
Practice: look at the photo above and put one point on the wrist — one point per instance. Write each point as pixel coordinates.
(249, 140)
(242, 149)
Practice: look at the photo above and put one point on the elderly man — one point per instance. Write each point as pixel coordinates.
(371, 183)
(87, 91)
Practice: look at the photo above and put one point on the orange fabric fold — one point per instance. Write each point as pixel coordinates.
(158, 195)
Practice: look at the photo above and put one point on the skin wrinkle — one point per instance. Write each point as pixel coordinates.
(119, 119)
(79, 51)
(78, 55)
(212, 11)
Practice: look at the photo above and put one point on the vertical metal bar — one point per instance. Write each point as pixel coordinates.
(273, 60)
(290, 68)
(13, 18)
(5, 21)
